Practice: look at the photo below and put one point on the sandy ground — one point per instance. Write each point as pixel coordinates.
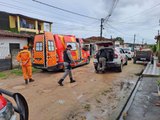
(92, 97)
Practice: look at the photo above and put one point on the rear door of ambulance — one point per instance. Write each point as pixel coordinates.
(38, 51)
(44, 51)
(50, 50)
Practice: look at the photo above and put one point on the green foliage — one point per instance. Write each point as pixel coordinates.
(120, 39)
(3, 75)
(154, 48)
(13, 30)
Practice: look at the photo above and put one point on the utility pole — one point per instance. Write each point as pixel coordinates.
(101, 28)
(134, 41)
(159, 25)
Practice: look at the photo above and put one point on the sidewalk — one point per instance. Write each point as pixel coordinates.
(144, 105)
(152, 69)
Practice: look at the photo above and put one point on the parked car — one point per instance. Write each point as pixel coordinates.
(143, 55)
(8, 110)
(128, 53)
(116, 57)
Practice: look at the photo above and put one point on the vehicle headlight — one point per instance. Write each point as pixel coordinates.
(7, 112)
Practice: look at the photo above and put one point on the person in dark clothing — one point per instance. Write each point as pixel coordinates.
(101, 57)
(67, 64)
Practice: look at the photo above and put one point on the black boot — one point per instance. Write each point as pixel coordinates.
(71, 80)
(26, 81)
(31, 80)
(60, 82)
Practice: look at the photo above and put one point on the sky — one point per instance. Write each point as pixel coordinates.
(129, 17)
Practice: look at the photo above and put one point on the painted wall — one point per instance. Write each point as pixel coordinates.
(4, 45)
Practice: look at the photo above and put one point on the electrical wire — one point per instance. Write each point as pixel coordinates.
(68, 11)
(111, 11)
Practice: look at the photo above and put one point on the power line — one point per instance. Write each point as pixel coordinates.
(111, 10)
(45, 14)
(71, 12)
(118, 30)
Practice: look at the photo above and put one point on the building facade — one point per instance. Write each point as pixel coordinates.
(10, 45)
(23, 24)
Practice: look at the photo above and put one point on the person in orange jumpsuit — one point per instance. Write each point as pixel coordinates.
(24, 57)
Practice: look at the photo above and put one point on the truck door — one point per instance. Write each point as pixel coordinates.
(38, 51)
(50, 50)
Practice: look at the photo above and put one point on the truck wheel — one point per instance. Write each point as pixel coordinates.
(120, 67)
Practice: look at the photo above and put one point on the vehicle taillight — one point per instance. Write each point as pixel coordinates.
(115, 56)
(3, 102)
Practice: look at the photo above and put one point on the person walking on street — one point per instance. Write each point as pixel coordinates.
(67, 64)
(24, 57)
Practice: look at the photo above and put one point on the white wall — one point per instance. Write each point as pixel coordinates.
(4, 45)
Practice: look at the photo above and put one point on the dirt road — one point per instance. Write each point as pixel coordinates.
(92, 97)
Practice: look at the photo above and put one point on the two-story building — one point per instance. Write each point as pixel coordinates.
(23, 24)
(16, 31)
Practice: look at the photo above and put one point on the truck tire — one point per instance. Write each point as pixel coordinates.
(120, 67)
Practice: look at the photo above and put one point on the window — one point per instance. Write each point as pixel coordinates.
(74, 46)
(50, 45)
(39, 46)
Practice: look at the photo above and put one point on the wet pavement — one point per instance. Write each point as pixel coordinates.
(146, 104)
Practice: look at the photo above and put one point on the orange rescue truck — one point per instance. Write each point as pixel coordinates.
(48, 51)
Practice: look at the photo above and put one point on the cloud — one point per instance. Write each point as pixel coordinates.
(128, 18)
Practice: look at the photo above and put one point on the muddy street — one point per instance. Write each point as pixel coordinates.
(93, 96)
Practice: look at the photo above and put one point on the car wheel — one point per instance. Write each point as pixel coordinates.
(126, 62)
(120, 67)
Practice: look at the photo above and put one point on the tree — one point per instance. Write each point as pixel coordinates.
(121, 40)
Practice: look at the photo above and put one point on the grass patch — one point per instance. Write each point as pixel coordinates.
(34, 70)
(17, 72)
(3, 75)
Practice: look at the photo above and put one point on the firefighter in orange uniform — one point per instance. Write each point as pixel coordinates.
(24, 57)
